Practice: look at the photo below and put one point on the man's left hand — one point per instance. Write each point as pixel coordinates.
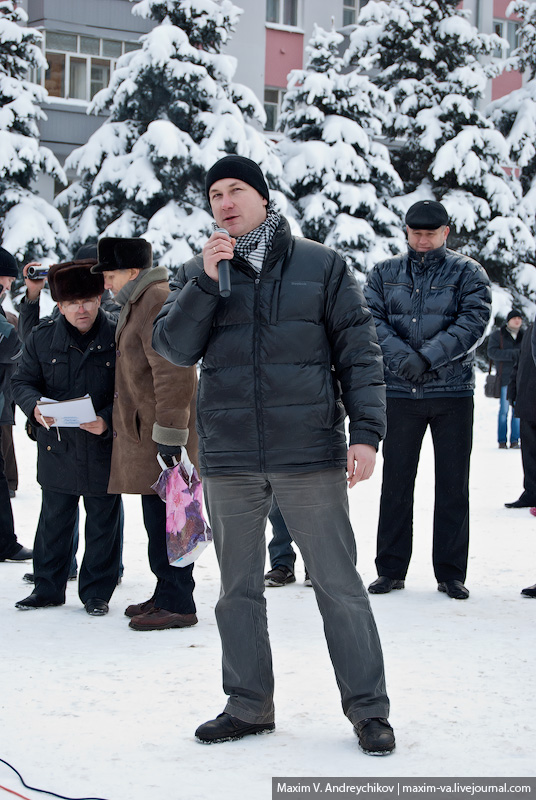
(413, 367)
(360, 463)
(97, 427)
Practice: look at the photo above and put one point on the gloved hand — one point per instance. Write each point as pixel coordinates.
(168, 451)
(413, 367)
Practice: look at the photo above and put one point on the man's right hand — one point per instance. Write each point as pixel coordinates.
(33, 287)
(218, 247)
(46, 422)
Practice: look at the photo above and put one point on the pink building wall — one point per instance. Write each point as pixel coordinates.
(284, 52)
(508, 81)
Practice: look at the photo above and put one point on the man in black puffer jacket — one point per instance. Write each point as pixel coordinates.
(284, 356)
(431, 309)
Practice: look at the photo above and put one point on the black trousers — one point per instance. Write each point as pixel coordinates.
(8, 451)
(528, 457)
(8, 541)
(451, 426)
(99, 570)
(175, 585)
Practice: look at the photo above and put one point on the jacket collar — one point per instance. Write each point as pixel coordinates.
(281, 245)
(62, 339)
(154, 275)
(429, 259)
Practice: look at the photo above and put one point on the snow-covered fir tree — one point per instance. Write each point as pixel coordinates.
(173, 111)
(426, 53)
(515, 113)
(30, 227)
(341, 176)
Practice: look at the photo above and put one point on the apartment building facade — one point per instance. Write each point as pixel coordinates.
(83, 40)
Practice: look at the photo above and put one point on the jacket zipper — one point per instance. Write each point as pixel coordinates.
(256, 363)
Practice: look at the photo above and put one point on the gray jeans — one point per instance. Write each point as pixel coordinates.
(315, 509)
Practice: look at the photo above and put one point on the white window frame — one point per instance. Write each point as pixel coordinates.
(281, 10)
(79, 56)
(280, 95)
(508, 31)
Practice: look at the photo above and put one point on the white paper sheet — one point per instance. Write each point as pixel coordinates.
(68, 413)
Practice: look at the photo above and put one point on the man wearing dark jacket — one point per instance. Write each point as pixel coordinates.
(284, 356)
(431, 308)
(66, 357)
(503, 349)
(522, 394)
(10, 350)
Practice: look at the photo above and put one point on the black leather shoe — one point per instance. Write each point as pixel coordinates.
(530, 591)
(96, 607)
(454, 589)
(376, 737)
(36, 601)
(226, 728)
(521, 503)
(383, 585)
(23, 554)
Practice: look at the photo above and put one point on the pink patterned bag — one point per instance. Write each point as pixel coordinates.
(187, 532)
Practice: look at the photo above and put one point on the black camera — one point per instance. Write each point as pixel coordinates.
(37, 273)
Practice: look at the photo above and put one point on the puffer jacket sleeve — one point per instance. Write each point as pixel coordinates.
(467, 331)
(173, 389)
(394, 348)
(184, 325)
(356, 355)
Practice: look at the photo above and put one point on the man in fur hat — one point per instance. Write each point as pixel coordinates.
(67, 356)
(153, 413)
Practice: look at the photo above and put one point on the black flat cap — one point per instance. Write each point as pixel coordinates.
(427, 215)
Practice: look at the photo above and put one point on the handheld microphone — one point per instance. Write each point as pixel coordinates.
(224, 271)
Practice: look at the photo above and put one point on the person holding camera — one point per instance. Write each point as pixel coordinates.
(10, 350)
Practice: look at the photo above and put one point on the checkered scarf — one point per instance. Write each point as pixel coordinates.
(254, 245)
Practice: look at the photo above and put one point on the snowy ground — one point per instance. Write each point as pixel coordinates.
(90, 707)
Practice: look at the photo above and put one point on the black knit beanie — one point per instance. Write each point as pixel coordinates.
(515, 312)
(243, 169)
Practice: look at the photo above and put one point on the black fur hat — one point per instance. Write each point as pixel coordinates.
(114, 253)
(74, 280)
(8, 265)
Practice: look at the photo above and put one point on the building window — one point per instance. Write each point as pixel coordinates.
(273, 99)
(80, 66)
(282, 12)
(349, 12)
(507, 30)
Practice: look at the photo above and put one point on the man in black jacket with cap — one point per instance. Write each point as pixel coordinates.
(431, 308)
(284, 356)
(65, 357)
